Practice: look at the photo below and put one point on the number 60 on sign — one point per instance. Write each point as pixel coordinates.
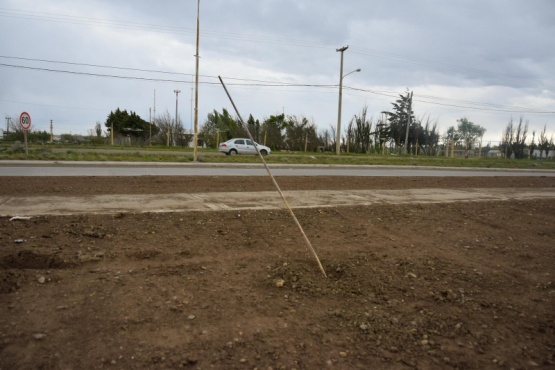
(25, 121)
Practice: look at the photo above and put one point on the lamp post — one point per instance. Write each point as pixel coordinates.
(176, 94)
(176, 119)
(341, 77)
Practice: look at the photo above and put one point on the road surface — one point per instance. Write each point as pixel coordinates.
(48, 168)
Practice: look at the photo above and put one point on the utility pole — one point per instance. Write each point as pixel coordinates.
(338, 134)
(192, 91)
(51, 132)
(197, 56)
(153, 115)
(408, 123)
(8, 119)
(176, 98)
(150, 126)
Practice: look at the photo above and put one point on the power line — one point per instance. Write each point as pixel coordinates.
(95, 65)
(137, 70)
(479, 106)
(98, 22)
(90, 74)
(254, 84)
(60, 18)
(259, 83)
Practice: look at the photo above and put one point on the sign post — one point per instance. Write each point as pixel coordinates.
(25, 123)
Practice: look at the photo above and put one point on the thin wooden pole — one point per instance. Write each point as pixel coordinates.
(275, 183)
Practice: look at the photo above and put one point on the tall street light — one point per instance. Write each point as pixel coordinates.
(176, 99)
(341, 77)
(176, 94)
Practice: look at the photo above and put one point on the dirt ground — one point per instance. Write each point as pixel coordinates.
(459, 285)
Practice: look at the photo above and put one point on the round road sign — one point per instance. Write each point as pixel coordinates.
(25, 121)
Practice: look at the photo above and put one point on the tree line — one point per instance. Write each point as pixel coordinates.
(395, 131)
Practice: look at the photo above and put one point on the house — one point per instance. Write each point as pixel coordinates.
(537, 154)
(494, 153)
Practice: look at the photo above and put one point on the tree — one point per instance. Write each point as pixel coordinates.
(326, 138)
(333, 132)
(98, 129)
(399, 119)
(451, 138)
(254, 128)
(16, 133)
(519, 144)
(532, 146)
(69, 138)
(95, 135)
(127, 124)
(39, 136)
(220, 124)
(15, 130)
(168, 132)
(301, 133)
(544, 143)
(382, 135)
(507, 139)
(273, 129)
(359, 132)
(469, 132)
(513, 141)
(429, 138)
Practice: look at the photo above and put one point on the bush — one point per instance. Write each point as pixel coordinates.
(16, 148)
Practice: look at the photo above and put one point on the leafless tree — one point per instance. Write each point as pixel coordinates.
(171, 132)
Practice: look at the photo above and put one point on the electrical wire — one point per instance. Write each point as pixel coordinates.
(140, 70)
(253, 84)
(59, 18)
(95, 65)
(42, 16)
(478, 106)
(390, 94)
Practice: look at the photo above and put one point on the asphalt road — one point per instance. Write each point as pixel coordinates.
(47, 168)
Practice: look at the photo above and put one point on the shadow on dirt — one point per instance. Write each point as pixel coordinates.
(31, 260)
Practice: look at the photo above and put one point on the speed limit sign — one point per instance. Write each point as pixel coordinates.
(25, 121)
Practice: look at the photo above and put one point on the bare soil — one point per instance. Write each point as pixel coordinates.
(460, 285)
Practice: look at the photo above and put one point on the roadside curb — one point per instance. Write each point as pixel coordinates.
(24, 163)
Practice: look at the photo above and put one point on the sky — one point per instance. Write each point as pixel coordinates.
(73, 62)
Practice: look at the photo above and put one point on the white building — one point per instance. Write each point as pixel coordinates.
(536, 154)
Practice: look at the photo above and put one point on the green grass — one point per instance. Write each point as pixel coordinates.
(350, 159)
(180, 155)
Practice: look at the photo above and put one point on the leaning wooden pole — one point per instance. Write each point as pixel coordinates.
(310, 247)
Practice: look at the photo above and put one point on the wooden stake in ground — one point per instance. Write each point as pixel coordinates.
(275, 182)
